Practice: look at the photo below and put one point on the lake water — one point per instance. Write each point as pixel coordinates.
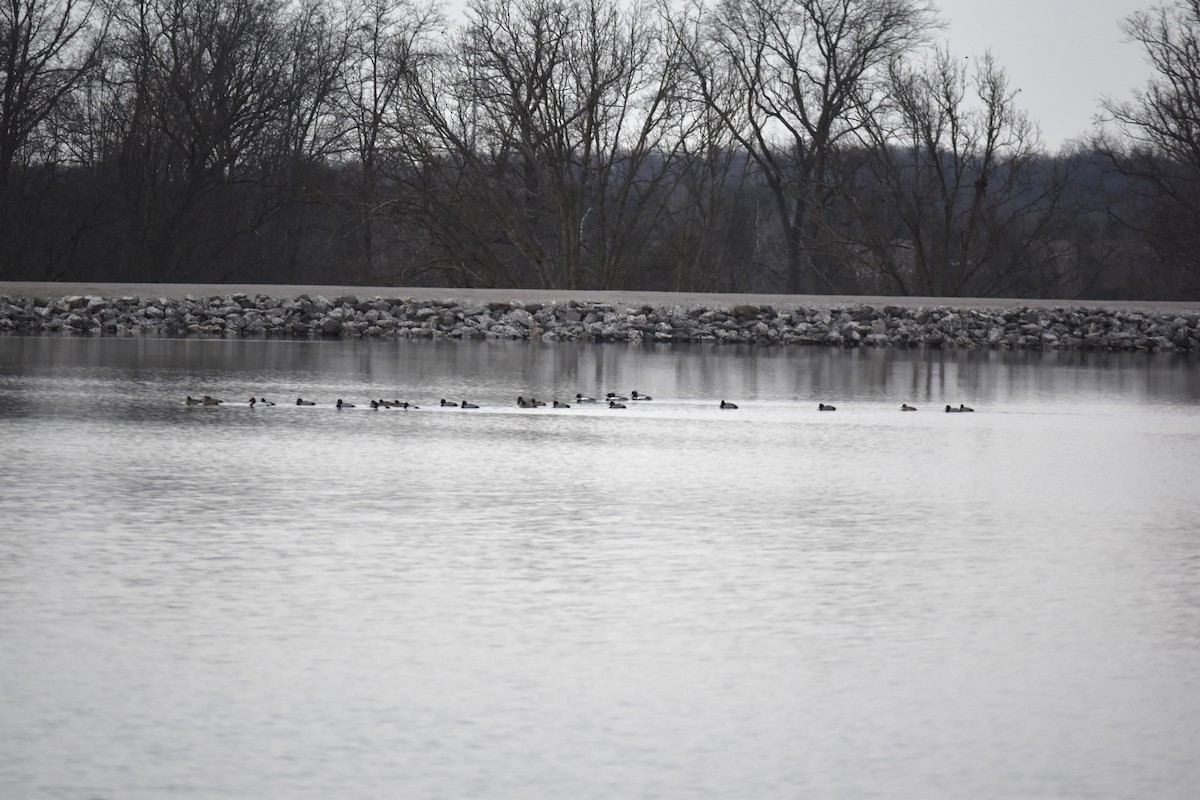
(666, 601)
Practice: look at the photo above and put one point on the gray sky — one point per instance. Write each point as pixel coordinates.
(1064, 55)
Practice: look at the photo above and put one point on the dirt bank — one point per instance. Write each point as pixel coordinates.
(779, 301)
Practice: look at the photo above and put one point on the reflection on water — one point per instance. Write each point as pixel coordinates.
(666, 601)
(504, 369)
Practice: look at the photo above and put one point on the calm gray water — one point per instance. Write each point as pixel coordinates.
(669, 601)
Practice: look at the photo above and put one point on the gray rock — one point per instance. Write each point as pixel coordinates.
(520, 317)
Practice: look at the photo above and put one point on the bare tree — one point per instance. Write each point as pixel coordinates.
(960, 198)
(287, 171)
(47, 49)
(393, 40)
(709, 241)
(792, 79)
(1155, 137)
(564, 127)
(706, 243)
(199, 88)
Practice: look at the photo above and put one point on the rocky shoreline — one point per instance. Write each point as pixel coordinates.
(855, 324)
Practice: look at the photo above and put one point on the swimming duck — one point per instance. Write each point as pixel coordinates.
(728, 405)
(444, 402)
(907, 407)
(195, 401)
(465, 404)
(952, 410)
(823, 407)
(375, 405)
(561, 405)
(615, 404)
(579, 398)
(211, 401)
(961, 407)
(405, 405)
(340, 404)
(635, 396)
(522, 402)
(302, 402)
(611, 396)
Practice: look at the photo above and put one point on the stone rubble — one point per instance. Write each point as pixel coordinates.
(943, 326)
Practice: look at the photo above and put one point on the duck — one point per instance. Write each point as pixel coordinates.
(907, 407)
(615, 404)
(465, 404)
(635, 396)
(952, 410)
(522, 402)
(961, 407)
(824, 407)
(561, 405)
(444, 402)
(195, 401)
(211, 401)
(611, 396)
(340, 404)
(405, 405)
(728, 405)
(302, 402)
(579, 398)
(375, 405)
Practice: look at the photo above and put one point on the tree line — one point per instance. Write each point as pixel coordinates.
(807, 146)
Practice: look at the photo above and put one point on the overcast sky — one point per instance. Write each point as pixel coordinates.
(1064, 55)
